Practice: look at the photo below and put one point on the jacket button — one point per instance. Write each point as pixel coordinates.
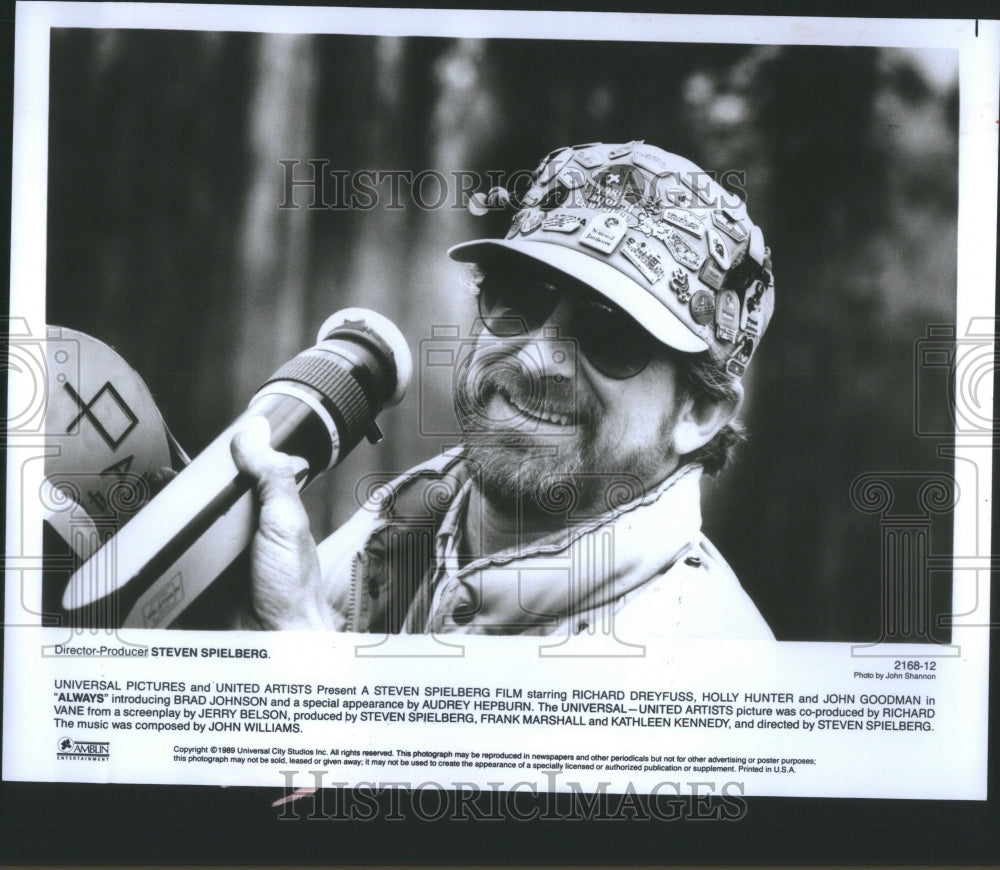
(463, 614)
(693, 561)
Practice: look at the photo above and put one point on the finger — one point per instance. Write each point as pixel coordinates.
(160, 478)
(253, 454)
(276, 473)
(251, 444)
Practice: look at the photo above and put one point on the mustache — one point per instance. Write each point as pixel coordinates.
(536, 393)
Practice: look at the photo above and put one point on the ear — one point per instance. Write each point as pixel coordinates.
(700, 419)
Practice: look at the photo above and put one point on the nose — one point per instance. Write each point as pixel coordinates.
(550, 351)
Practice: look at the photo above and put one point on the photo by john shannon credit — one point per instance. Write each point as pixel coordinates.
(483, 335)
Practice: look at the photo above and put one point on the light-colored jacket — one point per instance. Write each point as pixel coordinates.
(641, 570)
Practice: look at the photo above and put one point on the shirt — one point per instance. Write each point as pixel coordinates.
(643, 569)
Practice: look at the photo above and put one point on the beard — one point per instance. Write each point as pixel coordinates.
(515, 472)
(532, 442)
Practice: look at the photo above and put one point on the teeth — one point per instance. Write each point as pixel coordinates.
(557, 419)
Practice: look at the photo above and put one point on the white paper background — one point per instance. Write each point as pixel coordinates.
(948, 762)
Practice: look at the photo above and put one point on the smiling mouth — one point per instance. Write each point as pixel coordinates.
(537, 415)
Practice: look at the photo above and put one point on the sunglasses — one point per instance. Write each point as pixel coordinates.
(512, 305)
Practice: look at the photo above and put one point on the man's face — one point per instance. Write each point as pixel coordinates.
(542, 422)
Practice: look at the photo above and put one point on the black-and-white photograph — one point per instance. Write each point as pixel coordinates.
(493, 404)
(684, 348)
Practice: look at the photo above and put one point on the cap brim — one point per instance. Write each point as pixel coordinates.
(643, 305)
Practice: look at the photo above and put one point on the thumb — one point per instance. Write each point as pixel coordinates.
(277, 474)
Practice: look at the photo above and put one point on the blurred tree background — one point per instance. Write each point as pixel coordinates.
(167, 241)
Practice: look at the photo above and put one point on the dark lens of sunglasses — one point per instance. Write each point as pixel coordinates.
(512, 306)
(615, 344)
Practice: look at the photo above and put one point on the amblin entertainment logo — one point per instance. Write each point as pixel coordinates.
(82, 750)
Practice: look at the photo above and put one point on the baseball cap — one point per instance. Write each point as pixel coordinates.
(656, 235)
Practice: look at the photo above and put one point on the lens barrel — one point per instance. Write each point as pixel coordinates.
(341, 384)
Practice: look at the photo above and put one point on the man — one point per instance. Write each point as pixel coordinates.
(617, 319)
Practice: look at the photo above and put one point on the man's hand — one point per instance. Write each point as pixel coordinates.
(286, 588)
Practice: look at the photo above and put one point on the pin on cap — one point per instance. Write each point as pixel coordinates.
(652, 232)
(561, 222)
(604, 233)
(480, 203)
(727, 315)
(684, 219)
(680, 284)
(719, 250)
(646, 260)
(531, 221)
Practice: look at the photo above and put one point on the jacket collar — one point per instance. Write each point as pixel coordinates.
(585, 566)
